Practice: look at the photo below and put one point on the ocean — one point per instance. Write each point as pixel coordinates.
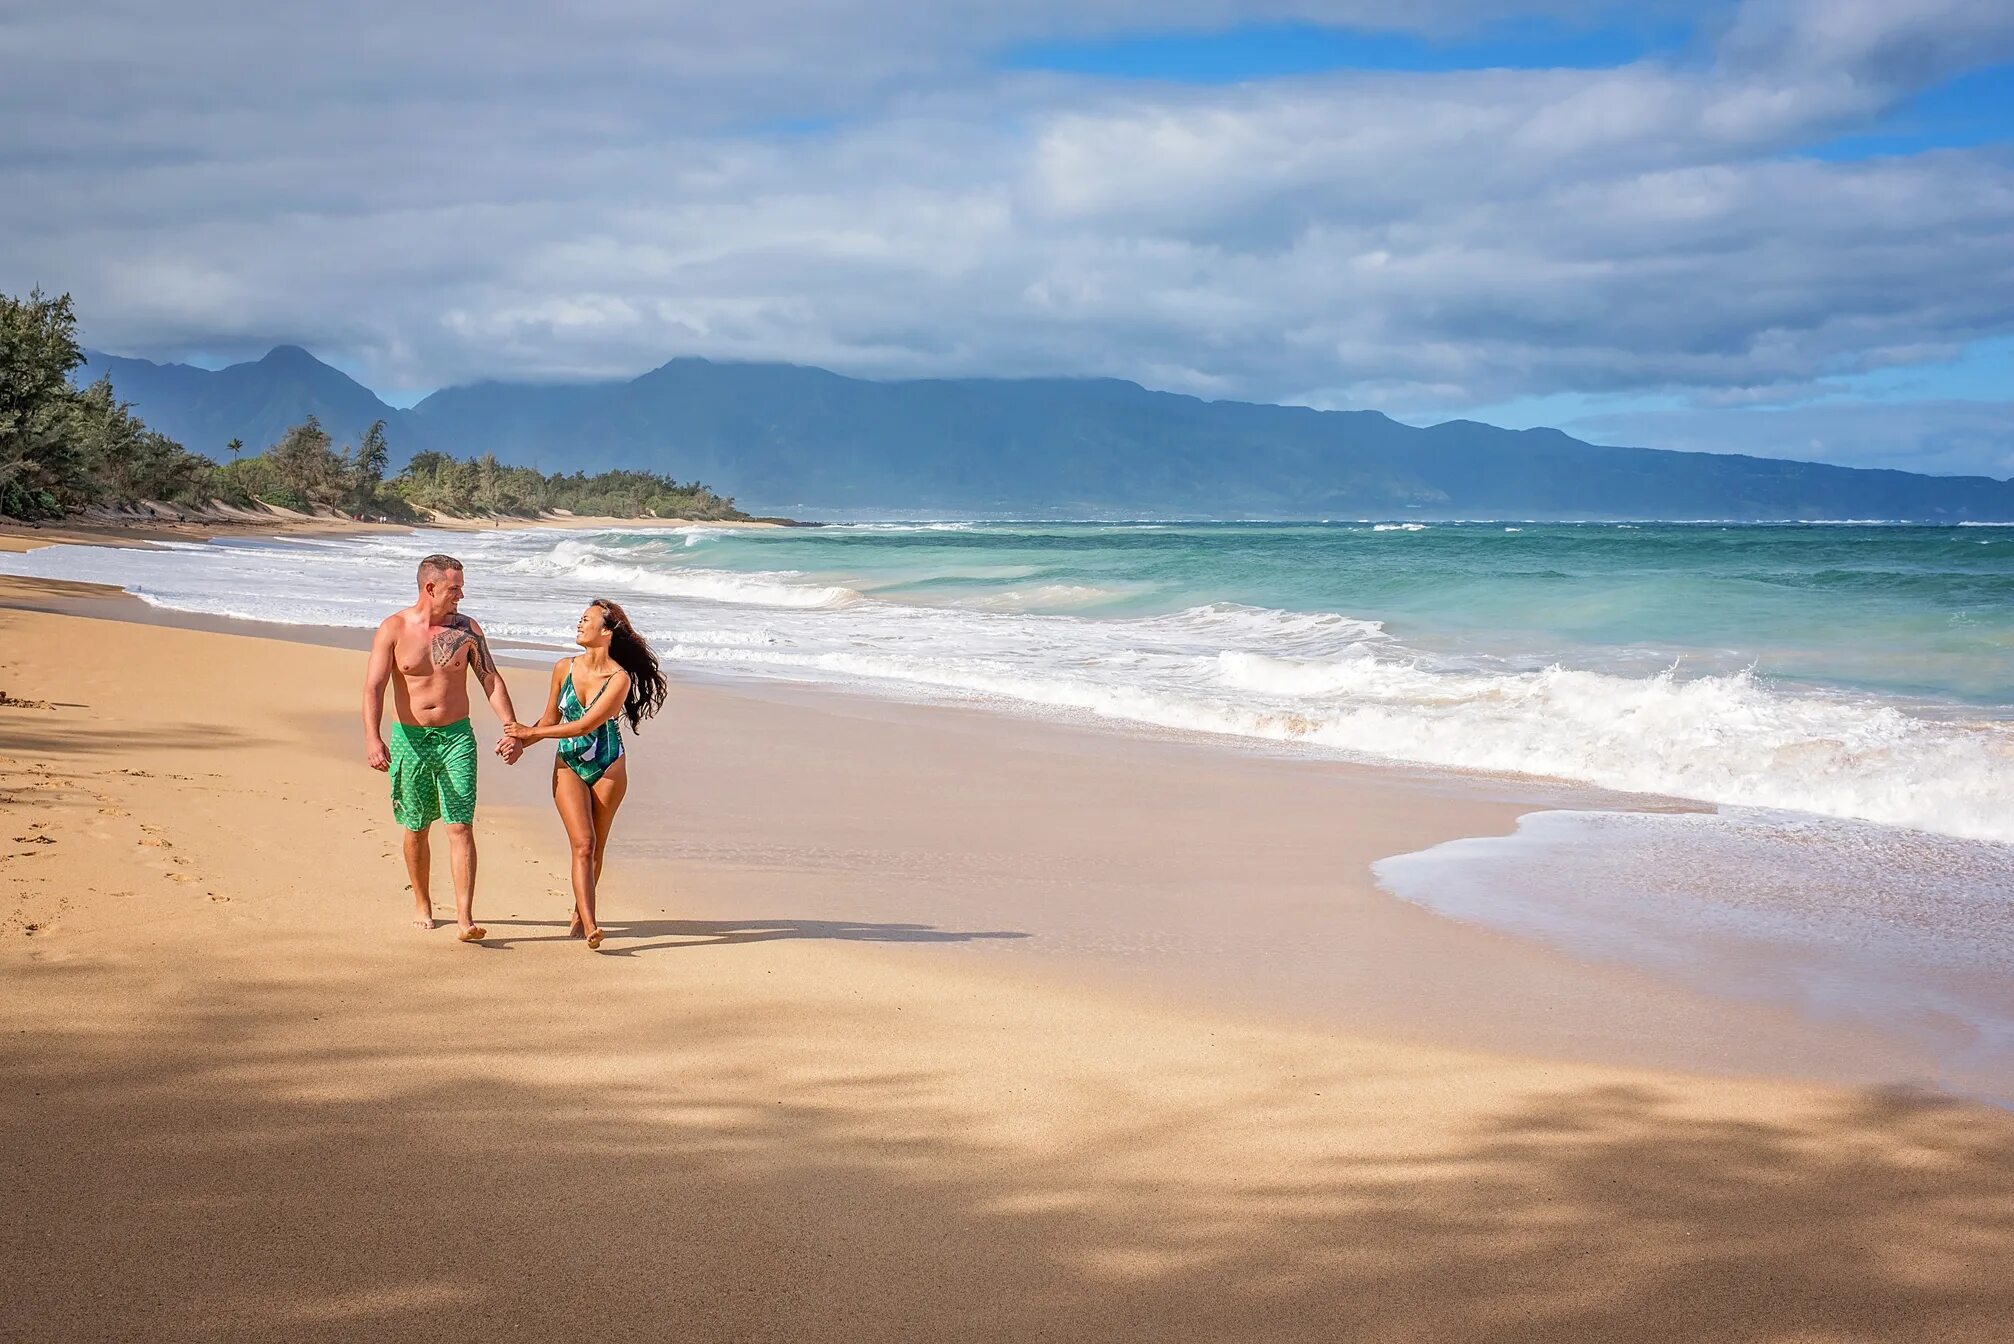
(1848, 670)
(1839, 697)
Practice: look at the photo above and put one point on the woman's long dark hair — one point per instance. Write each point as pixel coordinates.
(632, 655)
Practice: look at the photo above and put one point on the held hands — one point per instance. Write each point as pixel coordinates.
(514, 740)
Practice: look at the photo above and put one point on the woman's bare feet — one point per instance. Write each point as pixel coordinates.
(423, 916)
(594, 937)
(473, 933)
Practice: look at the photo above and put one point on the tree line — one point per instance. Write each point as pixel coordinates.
(64, 448)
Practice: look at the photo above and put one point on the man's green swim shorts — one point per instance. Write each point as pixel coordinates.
(433, 774)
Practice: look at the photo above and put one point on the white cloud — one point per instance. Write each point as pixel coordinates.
(440, 192)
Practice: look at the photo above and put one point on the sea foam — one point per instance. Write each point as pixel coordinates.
(1322, 681)
(782, 588)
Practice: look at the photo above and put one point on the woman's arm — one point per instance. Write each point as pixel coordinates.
(607, 704)
(519, 733)
(553, 683)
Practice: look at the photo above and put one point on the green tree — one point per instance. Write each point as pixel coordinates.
(373, 454)
(123, 460)
(488, 484)
(312, 475)
(367, 469)
(41, 469)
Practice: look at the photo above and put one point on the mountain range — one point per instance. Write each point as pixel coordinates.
(783, 438)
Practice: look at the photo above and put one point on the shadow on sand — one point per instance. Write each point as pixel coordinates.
(671, 934)
(364, 1153)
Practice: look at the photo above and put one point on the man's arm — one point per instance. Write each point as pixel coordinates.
(509, 746)
(376, 676)
(466, 631)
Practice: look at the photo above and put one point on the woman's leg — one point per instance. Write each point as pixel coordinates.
(573, 906)
(576, 813)
(608, 794)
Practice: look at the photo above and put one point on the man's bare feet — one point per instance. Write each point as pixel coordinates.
(423, 917)
(473, 933)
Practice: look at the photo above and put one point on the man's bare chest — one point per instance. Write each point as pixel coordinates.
(435, 652)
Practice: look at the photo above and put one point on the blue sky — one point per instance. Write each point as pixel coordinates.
(1783, 226)
(1256, 51)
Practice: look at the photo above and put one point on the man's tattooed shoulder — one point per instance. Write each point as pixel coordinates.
(462, 632)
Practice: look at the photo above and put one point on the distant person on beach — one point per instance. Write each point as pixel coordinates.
(426, 653)
(617, 676)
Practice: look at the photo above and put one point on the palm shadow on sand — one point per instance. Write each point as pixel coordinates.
(662, 935)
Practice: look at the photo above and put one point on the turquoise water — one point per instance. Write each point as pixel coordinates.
(1915, 611)
(1856, 671)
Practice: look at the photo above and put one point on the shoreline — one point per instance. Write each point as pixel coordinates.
(1498, 991)
(260, 1106)
(1555, 995)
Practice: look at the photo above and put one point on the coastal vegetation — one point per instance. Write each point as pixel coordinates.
(64, 449)
(482, 485)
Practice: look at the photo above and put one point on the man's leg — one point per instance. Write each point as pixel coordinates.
(456, 746)
(415, 805)
(462, 858)
(419, 871)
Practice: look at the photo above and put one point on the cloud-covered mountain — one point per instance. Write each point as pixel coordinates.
(792, 439)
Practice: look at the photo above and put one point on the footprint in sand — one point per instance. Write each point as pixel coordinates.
(155, 842)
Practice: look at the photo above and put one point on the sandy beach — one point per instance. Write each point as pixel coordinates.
(858, 1063)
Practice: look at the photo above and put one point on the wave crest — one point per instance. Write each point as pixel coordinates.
(764, 588)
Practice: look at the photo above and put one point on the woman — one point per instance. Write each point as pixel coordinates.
(616, 676)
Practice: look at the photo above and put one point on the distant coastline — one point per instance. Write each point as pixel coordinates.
(799, 440)
(143, 527)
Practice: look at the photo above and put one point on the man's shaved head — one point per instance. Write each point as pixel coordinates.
(434, 566)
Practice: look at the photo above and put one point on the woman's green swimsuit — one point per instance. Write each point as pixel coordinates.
(591, 754)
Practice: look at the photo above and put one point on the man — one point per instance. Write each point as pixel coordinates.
(432, 648)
